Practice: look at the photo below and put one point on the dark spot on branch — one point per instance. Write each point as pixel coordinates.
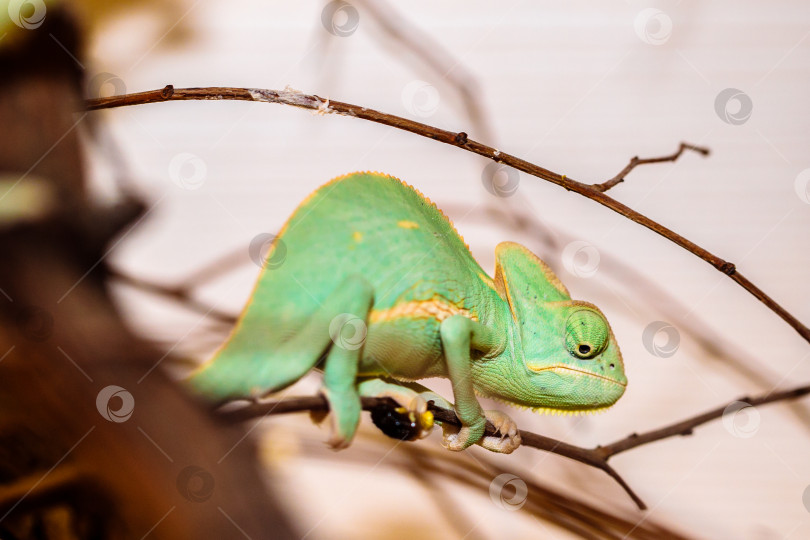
(728, 268)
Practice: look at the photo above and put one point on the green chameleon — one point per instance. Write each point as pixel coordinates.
(369, 282)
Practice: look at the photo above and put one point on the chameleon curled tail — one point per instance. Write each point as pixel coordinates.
(376, 289)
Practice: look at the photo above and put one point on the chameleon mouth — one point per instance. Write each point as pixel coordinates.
(557, 368)
(570, 409)
(547, 410)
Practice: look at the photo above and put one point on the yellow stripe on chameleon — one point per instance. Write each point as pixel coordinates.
(435, 308)
(405, 224)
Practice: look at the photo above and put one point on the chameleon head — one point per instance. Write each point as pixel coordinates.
(561, 355)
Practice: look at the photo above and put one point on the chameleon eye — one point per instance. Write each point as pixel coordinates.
(586, 334)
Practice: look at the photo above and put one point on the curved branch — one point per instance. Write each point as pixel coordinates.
(326, 106)
(595, 457)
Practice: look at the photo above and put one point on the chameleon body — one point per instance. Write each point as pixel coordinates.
(370, 282)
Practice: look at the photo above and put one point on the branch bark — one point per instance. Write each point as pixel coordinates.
(685, 427)
(597, 457)
(595, 192)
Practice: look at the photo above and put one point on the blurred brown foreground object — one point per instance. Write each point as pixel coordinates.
(95, 441)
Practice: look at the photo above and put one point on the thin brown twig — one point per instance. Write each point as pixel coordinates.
(595, 457)
(180, 293)
(458, 139)
(685, 427)
(215, 269)
(636, 161)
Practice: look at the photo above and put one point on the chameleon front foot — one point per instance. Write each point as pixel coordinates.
(458, 438)
(509, 438)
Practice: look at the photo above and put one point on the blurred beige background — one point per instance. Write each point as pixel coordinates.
(577, 87)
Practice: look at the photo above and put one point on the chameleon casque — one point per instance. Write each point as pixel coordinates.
(377, 290)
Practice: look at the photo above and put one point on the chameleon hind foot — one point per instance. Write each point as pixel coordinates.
(347, 331)
(343, 424)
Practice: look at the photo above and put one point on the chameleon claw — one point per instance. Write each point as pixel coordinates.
(508, 437)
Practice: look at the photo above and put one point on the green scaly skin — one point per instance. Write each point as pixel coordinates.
(371, 283)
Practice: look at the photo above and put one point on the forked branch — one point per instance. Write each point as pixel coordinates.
(595, 457)
(636, 161)
(320, 105)
(685, 427)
